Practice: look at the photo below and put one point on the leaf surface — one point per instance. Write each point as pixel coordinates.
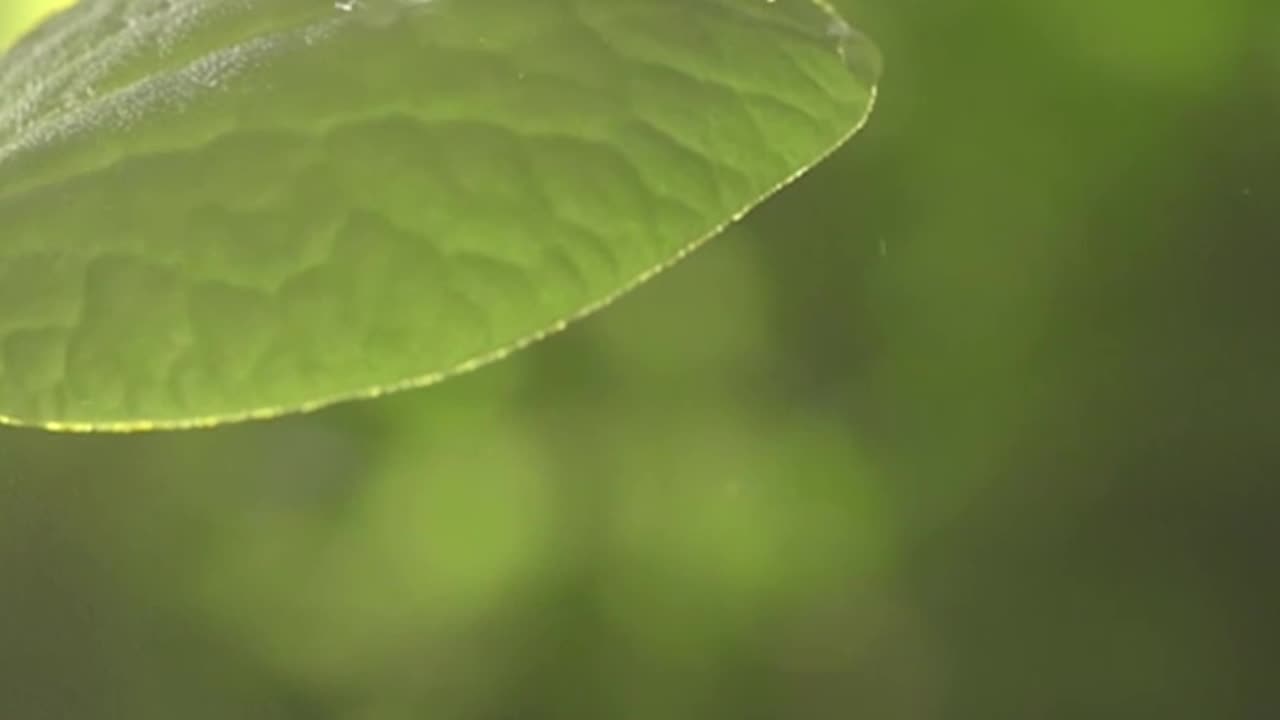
(213, 210)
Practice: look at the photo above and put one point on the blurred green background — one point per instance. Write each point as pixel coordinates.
(977, 420)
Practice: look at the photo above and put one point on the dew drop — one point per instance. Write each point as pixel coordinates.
(381, 12)
(819, 19)
(858, 51)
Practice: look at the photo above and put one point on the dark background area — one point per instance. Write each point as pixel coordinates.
(976, 420)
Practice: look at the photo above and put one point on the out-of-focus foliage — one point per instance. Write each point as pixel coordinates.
(977, 421)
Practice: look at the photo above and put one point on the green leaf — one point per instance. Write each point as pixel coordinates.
(213, 210)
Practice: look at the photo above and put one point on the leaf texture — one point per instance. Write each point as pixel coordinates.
(214, 210)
